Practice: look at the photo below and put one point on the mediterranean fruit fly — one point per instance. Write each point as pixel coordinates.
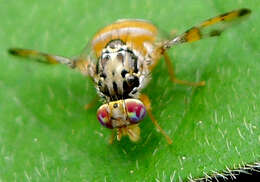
(120, 58)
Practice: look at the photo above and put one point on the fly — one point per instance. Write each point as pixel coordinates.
(120, 58)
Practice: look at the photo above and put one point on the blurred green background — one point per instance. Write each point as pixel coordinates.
(46, 135)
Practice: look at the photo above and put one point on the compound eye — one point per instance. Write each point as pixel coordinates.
(103, 116)
(135, 110)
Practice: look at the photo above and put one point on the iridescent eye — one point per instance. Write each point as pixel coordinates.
(135, 110)
(104, 116)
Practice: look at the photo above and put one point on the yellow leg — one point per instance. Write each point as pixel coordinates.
(112, 136)
(132, 131)
(119, 134)
(91, 104)
(172, 74)
(147, 103)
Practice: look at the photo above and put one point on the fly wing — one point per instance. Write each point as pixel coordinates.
(46, 58)
(209, 28)
(40, 56)
(87, 61)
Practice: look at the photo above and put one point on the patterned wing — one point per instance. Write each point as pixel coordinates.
(46, 58)
(40, 56)
(209, 28)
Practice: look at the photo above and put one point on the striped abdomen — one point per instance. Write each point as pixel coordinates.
(132, 32)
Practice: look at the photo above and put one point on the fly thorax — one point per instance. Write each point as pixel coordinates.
(120, 71)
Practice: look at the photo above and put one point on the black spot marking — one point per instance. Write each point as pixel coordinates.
(133, 82)
(13, 51)
(100, 83)
(130, 51)
(123, 73)
(127, 89)
(214, 33)
(105, 90)
(103, 75)
(224, 14)
(125, 85)
(134, 92)
(135, 65)
(97, 68)
(129, 85)
(115, 105)
(115, 87)
(113, 73)
(244, 12)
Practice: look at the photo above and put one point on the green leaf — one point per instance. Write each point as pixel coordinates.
(46, 135)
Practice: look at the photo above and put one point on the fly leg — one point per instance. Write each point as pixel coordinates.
(111, 138)
(147, 104)
(91, 104)
(172, 74)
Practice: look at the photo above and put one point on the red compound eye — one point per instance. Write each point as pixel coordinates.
(135, 110)
(104, 116)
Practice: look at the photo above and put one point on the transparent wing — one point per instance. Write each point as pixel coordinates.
(209, 28)
(88, 54)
